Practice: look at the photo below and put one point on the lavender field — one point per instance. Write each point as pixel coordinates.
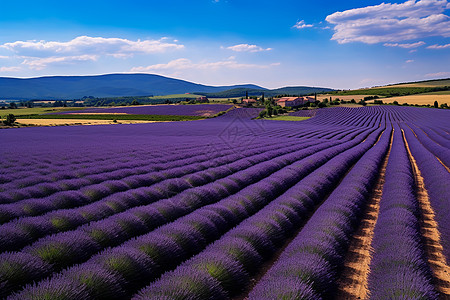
(353, 202)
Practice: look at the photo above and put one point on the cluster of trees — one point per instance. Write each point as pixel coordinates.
(33, 103)
(9, 120)
(271, 109)
(15, 105)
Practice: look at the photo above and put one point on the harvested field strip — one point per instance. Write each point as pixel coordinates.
(430, 233)
(353, 283)
(86, 116)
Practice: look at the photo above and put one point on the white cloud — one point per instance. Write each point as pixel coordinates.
(10, 69)
(301, 24)
(42, 63)
(247, 48)
(37, 55)
(85, 45)
(184, 64)
(391, 22)
(4, 57)
(439, 46)
(406, 46)
(438, 74)
(409, 61)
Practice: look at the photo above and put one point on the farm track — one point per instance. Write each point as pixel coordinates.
(352, 283)
(430, 233)
(268, 264)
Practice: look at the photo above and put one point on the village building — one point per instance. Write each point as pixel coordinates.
(249, 101)
(309, 99)
(202, 99)
(290, 101)
(294, 101)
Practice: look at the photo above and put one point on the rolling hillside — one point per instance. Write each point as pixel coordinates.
(111, 85)
(403, 89)
(295, 90)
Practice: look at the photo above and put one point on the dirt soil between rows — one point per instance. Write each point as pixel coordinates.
(430, 233)
(352, 283)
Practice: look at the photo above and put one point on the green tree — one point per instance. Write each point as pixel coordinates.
(10, 119)
(269, 110)
(12, 105)
(262, 114)
(436, 104)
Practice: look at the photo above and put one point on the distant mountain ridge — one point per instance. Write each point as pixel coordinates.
(109, 85)
(121, 85)
(292, 90)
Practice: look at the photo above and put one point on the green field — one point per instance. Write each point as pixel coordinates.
(287, 118)
(115, 117)
(35, 110)
(393, 91)
(175, 96)
(438, 93)
(427, 83)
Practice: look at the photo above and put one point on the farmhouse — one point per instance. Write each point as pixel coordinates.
(290, 101)
(202, 99)
(309, 99)
(294, 101)
(249, 101)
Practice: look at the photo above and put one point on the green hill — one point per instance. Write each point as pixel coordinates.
(110, 85)
(294, 91)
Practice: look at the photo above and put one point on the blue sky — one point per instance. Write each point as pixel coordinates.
(338, 44)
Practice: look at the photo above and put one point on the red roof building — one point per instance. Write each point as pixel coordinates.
(290, 101)
(249, 101)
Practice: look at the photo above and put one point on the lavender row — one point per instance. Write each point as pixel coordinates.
(223, 269)
(42, 165)
(93, 193)
(18, 233)
(47, 181)
(442, 152)
(140, 171)
(399, 269)
(96, 166)
(113, 171)
(435, 177)
(260, 191)
(441, 140)
(78, 244)
(309, 266)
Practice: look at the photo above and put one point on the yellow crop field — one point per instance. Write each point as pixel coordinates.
(421, 99)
